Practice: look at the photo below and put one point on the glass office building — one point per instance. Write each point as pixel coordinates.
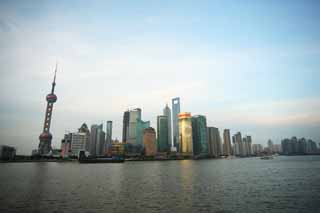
(199, 135)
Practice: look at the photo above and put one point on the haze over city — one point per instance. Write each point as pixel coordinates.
(249, 67)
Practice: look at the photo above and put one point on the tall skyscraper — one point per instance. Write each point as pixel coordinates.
(134, 115)
(238, 145)
(84, 129)
(109, 135)
(167, 112)
(185, 134)
(149, 142)
(97, 146)
(46, 137)
(125, 127)
(249, 142)
(227, 142)
(175, 121)
(199, 135)
(163, 144)
(214, 141)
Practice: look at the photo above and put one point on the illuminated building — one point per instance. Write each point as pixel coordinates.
(46, 137)
(149, 142)
(185, 134)
(199, 135)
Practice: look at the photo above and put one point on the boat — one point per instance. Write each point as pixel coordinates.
(101, 160)
(266, 157)
(84, 159)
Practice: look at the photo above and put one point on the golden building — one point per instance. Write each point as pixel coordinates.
(185, 133)
(149, 142)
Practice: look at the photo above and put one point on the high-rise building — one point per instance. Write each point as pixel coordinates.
(149, 142)
(134, 115)
(167, 112)
(175, 121)
(227, 148)
(66, 145)
(78, 142)
(214, 141)
(249, 143)
(162, 134)
(185, 134)
(199, 135)
(97, 146)
(46, 137)
(257, 149)
(84, 129)
(125, 127)
(109, 135)
(238, 145)
(140, 127)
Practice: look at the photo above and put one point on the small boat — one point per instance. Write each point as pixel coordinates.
(84, 159)
(266, 157)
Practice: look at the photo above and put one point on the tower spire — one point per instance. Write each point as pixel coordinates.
(54, 79)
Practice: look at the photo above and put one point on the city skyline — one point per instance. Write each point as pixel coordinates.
(262, 82)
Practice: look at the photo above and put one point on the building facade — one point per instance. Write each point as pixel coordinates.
(175, 121)
(97, 140)
(84, 129)
(162, 134)
(185, 134)
(227, 147)
(140, 127)
(134, 115)
(109, 135)
(78, 142)
(199, 135)
(214, 142)
(149, 142)
(125, 126)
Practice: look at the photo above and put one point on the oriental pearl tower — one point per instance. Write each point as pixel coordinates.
(46, 137)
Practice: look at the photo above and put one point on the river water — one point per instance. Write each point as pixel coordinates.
(284, 184)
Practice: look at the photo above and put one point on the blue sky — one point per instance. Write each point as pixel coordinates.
(251, 66)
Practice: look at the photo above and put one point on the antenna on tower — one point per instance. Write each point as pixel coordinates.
(54, 78)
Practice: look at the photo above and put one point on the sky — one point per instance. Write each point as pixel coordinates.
(249, 66)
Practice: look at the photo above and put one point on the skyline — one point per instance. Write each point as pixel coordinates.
(262, 82)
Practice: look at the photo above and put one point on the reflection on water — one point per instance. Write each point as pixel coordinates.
(287, 184)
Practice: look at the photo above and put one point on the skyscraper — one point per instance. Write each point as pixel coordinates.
(185, 134)
(163, 144)
(167, 112)
(227, 142)
(199, 135)
(125, 127)
(238, 146)
(109, 135)
(140, 127)
(214, 141)
(97, 146)
(78, 142)
(175, 121)
(46, 137)
(84, 129)
(134, 115)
